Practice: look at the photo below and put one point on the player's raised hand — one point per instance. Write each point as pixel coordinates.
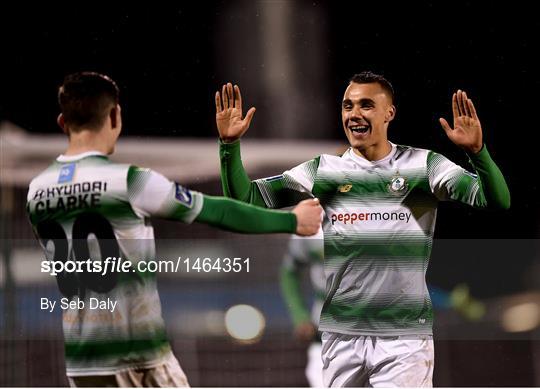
(467, 131)
(308, 217)
(231, 126)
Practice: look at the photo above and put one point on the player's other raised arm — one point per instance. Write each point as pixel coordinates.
(231, 126)
(448, 181)
(277, 192)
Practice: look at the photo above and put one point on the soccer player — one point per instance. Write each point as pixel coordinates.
(83, 194)
(380, 202)
(305, 254)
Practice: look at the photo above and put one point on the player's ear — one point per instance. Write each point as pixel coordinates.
(115, 116)
(390, 114)
(61, 122)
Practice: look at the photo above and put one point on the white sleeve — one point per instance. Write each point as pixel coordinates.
(449, 181)
(152, 194)
(290, 187)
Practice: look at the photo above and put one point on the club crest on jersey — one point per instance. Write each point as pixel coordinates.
(183, 195)
(344, 188)
(66, 173)
(398, 185)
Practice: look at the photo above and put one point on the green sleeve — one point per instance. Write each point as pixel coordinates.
(485, 189)
(280, 191)
(234, 179)
(236, 216)
(492, 184)
(291, 291)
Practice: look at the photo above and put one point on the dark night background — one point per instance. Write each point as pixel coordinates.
(169, 60)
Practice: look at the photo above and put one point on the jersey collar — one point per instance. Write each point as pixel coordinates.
(381, 161)
(76, 157)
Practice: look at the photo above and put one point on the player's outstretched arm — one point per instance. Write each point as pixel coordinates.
(234, 180)
(229, 214)
(467, 133)
(231, 126)
(275, 193)
(151, 194)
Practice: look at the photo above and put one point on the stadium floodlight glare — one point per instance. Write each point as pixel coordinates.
(244, 322)
(521, 317)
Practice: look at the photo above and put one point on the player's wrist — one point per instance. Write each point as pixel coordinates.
(476, 151)
(293, 222)
(228, 141)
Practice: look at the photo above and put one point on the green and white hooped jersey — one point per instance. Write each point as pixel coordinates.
(85, 197)
(378, 233)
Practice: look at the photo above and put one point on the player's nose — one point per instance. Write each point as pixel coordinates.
(356, 113)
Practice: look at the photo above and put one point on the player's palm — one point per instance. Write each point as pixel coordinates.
(231, 126)
(467, 131)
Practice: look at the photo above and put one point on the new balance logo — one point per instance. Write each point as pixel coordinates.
(344, 188)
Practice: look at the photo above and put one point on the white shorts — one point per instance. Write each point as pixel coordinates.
(372, 361)
(314, 365)
(168, 374)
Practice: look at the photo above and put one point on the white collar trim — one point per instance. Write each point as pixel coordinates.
(360, 159)
(76, 157)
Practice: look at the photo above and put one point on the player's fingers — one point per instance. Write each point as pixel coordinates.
(224, 97)
(230, 95)
(219, 108)
(249, 115)
(455, 106)
(237, 97)
(446, 127)
(472, 109)
(461, 108)
(466, 104)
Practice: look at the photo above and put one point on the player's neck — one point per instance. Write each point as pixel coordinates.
(84, 141)
(375, 152)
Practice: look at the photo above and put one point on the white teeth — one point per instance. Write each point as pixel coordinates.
(359, 128)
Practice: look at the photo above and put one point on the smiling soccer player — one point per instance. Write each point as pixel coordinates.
(377, 315)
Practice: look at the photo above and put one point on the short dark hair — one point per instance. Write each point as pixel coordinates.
(368, 77)
(85, 99)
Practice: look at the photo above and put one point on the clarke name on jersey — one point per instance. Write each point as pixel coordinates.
(93, 304)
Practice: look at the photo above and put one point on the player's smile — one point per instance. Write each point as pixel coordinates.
(359, 131)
